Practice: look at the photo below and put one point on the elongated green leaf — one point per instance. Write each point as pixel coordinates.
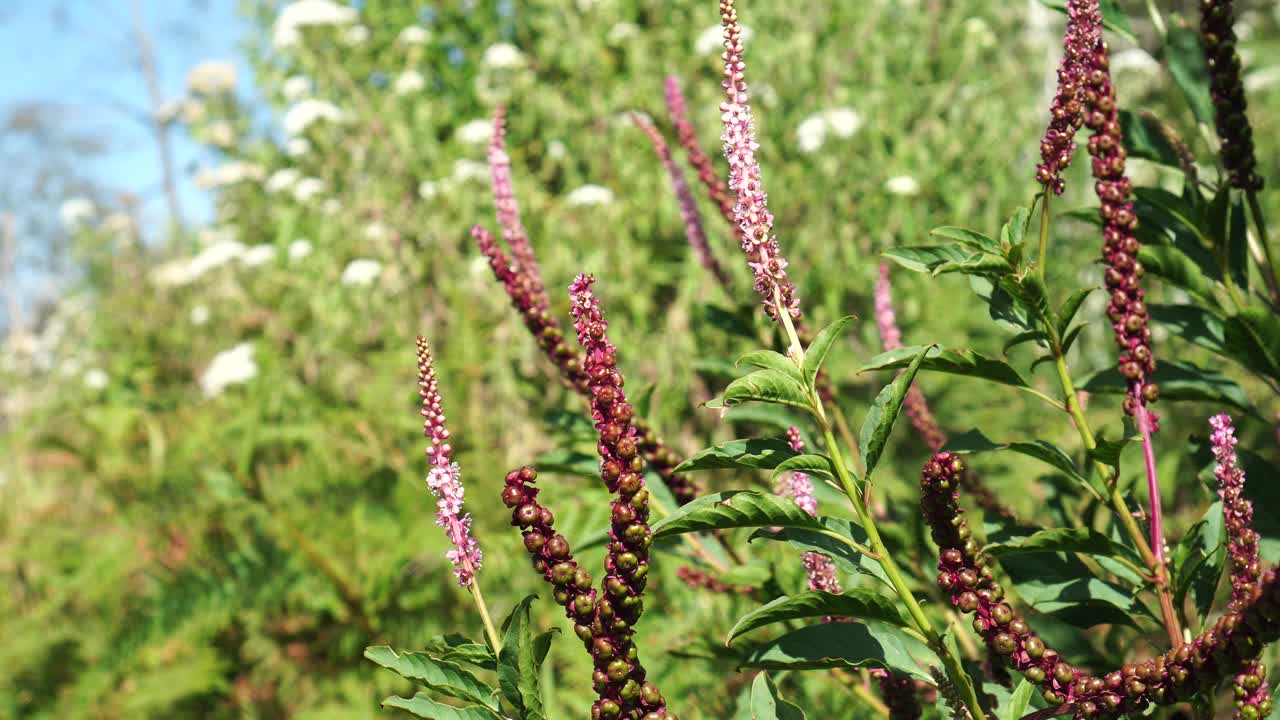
(458, 648)
(1173, 265)
(984, 264)
(1186, 65)
(974, 441)
(1192, 323)
(853, 644)
(972, 238)
(883, 413)
(1018, 702)
(771, 360)
(812, 464)
(518, 663)
(1252, 338)
(1198, 559)
(953, 362)
(750, 453)
(771, 386)
(1077, 540)
(766, 703)
(1070, 307)
(734, 509)
(1143, 138)
(816, 353)
(1178, 381)
(1062, 585)
(1008, 312)
(924, 258)
(421, 705)
(857, 604)
(1108, 451)
(1026, 336)
(441, 676)
(846, 558)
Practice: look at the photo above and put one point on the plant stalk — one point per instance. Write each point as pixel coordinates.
(1260, 222)
(478, 597)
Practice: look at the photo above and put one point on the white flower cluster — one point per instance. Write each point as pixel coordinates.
(304, 114)
(842, 122)
(212, 77)
(228, 174)
(503, 56)
(589, 195)
(229, 367)
(300, 14)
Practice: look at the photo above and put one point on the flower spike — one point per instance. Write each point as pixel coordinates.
(1058, 144)
(444, 478)
(508, 210)
(1229, 104)
(678, 109)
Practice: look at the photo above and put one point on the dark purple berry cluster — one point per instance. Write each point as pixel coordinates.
(1057, 147)
(900, 695)
(1227, 647)
(1229, 105)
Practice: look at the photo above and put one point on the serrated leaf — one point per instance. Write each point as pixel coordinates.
(1143, 138)
(766, 703)
(518, 664)
(734, 509)
(857, 604)
(1186, 65)
(848, 645)
(822, 541)
(1192, 323)
(971, 238)
(1070, 307)
(771, 360)
(1077, 540)
(811, 464)
(924, 258)
(439, 675)
(817, 351)
(421, 705)
(1178, 381)
(750, 453)
(884, 412)
(953, 362)
(771, 386)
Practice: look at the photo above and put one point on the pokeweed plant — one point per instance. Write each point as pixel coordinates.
(898, 623)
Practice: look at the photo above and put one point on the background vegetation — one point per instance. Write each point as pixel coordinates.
(173, 546)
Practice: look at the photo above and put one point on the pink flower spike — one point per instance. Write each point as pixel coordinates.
(508, 211)
(445, 477)
(751, 214)
(819, 568)
(917, 407)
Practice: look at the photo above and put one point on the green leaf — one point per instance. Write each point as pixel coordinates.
(1071, 336)
(823, 540)
(1198, 559)
(1024, 337)
(771, 386)
(734, 509)
(1178, 381)
(1173, 265)
(518, 663)
(1252, 338)
(924, 258)
(1261, 487)
(1017, 705)
(771, 360)
(857, 604)
(986, 264)
(817, 351)
(1108, 452)
(764, 415)
(953, 362)
(1062, 585)
(974, 441)
(1070, 307)
(439, 675)
(847, 645)
(1007, 311)
(883, 413)
(1192, 323)
(1077, 540)
(820, 465)
(735, 321)
(1186, 65)
(1227, 226)
(767, 705)
(972, 238)
(1144, 138)
(750, 453)
(423, 706)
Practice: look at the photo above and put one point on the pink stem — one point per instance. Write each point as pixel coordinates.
(1153, 484)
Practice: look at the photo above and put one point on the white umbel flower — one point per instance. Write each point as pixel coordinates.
(258, 255)
(282, 180)
(212, 77)
(711, 40)
(308, 188)
(229, 367)
(413, 35)
(409, 82)
(375, 231)
(476, 132)
(76, 213)
(96, 379)
(299, 249)
(465, 170)
(229, 173)
(428, 189)
(902, 185)
(199, 315)
(811, 133)
(361, 272)
(590, 195)
(296, 88)
(843, 121)
(302, 115)
(355, 35)
(297, 147)
(503, 56)
(308, 13)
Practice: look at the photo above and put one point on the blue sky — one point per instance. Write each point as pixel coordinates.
(76, 53)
